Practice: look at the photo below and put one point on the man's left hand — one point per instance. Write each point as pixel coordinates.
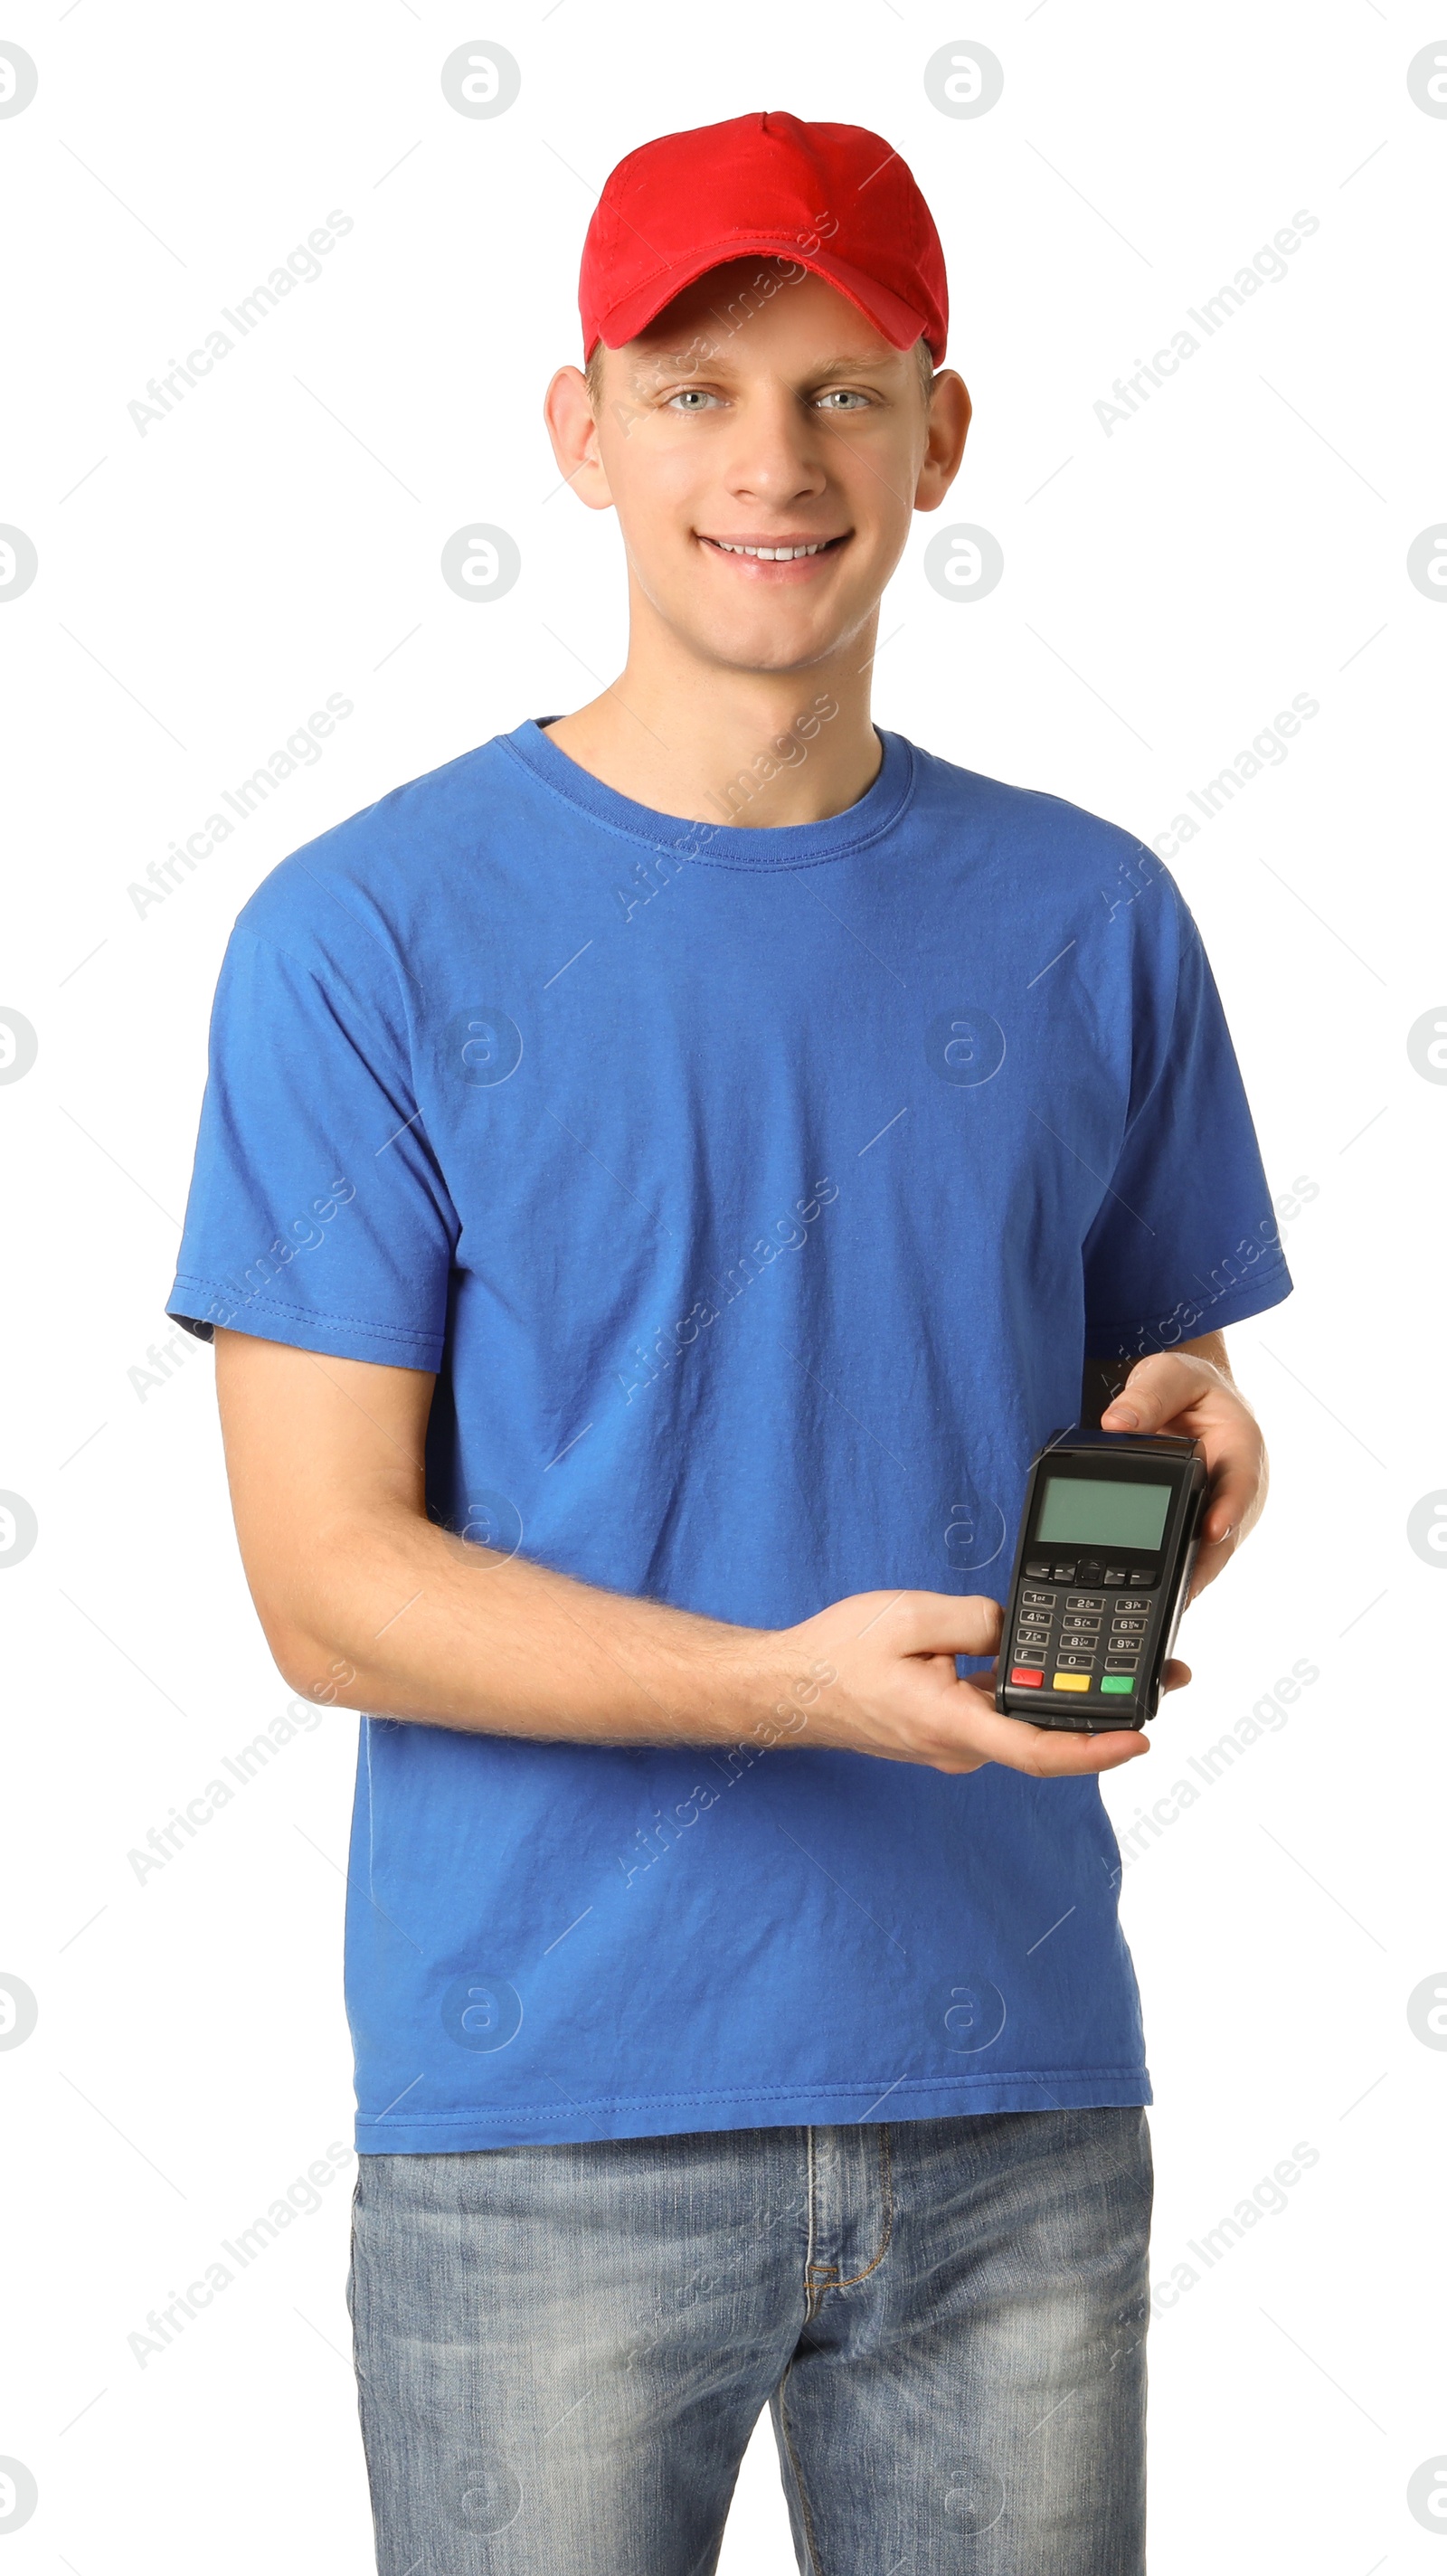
(1192, 1393)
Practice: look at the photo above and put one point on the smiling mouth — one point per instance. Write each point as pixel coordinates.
(788, 550)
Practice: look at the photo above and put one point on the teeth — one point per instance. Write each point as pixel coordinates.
(773, 554)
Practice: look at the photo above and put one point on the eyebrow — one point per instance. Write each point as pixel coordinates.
(847, 362)
(857, 358)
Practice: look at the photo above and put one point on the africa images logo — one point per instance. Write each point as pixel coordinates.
(1266, 267)
(301, 267)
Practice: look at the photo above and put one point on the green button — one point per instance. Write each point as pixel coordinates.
(1117, 1681)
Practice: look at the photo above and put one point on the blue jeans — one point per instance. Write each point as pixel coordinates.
(562, 2350)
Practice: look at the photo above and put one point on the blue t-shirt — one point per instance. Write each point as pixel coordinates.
(756, 1194)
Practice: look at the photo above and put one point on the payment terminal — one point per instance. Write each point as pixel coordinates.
(1108, 1539)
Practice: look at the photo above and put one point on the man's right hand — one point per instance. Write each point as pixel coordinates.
(895, 1692)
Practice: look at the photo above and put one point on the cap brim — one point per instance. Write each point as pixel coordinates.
(900, 325)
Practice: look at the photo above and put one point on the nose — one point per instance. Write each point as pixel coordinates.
(776, 453)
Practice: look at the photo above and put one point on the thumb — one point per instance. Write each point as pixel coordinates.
(941, 1623)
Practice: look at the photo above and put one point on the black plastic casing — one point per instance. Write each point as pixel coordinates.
(1133, 1457)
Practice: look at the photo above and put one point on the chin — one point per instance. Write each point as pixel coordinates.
(766, 643)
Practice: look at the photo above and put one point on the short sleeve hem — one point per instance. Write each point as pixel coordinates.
(201, 1304)
(1200, 1312)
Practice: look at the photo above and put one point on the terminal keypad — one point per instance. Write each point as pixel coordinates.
(1071, 1639)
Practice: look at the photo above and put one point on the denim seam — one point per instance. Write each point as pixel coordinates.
(360, 2312)
(888, 2172)
(805, 2516)
(809, 2248)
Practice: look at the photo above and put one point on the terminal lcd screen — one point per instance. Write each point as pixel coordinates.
(1095, 1511)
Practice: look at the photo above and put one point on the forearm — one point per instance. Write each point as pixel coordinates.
(368, 1604)
(397, 1617)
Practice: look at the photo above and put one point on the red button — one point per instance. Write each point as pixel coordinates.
(1032, 1681)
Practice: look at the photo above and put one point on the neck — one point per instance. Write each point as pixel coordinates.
(714, 744)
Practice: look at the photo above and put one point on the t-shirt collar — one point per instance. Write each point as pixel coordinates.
(728, 845)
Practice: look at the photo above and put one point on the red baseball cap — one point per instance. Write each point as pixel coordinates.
(832, 198)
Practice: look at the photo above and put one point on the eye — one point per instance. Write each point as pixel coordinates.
(839, 394)
(691, 395)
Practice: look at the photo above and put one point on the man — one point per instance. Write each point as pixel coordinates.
(661, 1178)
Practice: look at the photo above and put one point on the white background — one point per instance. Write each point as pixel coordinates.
(1167, 589)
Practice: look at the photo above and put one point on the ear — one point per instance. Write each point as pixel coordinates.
(574, 434)
(949, 423)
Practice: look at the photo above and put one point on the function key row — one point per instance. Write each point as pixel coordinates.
(1072, 1681)
(1089, 1570)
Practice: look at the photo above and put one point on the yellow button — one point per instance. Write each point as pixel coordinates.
(1071, 1681)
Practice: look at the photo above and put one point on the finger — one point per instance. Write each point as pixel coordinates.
(940, 1623)
(1049, 1753)
(1238, 1478)
(1176, 1675)
(1157, 1389)
(1209, 1564)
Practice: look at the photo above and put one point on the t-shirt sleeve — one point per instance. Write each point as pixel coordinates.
(1186, 1239)
(316, 1214)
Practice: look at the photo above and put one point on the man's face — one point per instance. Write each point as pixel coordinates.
(762, 409)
